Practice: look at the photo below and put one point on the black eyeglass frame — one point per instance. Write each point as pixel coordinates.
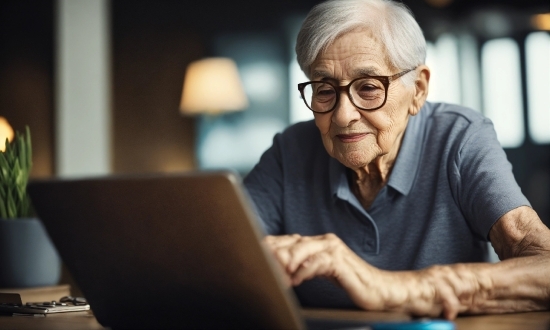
(385, 80)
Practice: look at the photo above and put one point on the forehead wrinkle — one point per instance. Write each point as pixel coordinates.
(316, 74)
(359, 72)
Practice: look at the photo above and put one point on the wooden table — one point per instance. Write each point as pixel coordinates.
(533, 320)
(61, 321)
(517, 321)
(86, 320)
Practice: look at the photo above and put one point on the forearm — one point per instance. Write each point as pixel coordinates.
(519, 284)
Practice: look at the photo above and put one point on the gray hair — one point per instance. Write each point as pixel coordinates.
(390, 22)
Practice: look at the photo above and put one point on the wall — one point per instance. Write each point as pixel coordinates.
(27, 77)
(152, 46)
(152, 42)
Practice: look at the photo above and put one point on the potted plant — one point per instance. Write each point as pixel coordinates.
(27, 256)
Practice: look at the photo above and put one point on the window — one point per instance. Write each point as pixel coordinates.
(537, 53)
(469, 70)
(502, 96)
(442, 59)
(298, 110)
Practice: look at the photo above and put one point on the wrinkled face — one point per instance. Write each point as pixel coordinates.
(357, 137)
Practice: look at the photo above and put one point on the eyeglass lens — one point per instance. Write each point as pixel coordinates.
(366, 93)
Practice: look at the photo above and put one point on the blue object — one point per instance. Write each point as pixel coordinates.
(28, 257)
(415, 325)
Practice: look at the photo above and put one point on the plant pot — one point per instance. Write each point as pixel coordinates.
(28, 258)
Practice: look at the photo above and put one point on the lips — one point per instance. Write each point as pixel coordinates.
(349, 138)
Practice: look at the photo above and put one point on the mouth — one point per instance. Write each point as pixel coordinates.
(349, 138)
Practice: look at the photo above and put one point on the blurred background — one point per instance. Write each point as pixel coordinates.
(100, 82)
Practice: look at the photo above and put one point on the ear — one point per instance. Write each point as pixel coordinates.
(421, 85)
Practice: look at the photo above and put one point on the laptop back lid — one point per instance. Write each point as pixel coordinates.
(158, 251)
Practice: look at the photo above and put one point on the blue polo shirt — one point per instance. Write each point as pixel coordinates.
(451, 181)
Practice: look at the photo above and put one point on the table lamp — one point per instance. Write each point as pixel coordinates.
(6, 132)
(212, 86)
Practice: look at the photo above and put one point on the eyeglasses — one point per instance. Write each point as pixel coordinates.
(366, 93)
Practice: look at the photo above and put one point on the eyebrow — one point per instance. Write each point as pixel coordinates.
(316, 74)
(359, 72)
(368, 71)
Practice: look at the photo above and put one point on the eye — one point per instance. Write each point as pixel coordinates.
(368, 85)
(324, 92)
(368, 88)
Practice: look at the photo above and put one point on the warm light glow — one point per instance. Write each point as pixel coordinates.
(5, 132)
(541, 21)
(212, 86)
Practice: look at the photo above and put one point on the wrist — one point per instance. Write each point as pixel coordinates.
(401, 291)
(417, 292)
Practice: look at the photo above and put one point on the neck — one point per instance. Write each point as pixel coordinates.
(379, 169)
(367, 181)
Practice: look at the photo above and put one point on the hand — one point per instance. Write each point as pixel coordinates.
(423, 293)
(518, 284)
(305, 257)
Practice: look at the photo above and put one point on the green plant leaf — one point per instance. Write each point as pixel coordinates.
(10, 153)
(4, 166)
(22, 153)
(3, 211)
(7, 143)
(29, 148)
(11, 208)
(18, 175)
(15, 167)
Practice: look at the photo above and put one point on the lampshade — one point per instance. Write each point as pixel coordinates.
(541, 21)
(212, 86)
(5, 132)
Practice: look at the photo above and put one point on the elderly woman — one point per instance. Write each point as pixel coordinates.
(385, 201)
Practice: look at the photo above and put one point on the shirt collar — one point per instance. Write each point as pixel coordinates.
(339, 186)
(405, 167)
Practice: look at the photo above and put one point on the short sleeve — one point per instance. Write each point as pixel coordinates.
(264, 185)
(486, 187)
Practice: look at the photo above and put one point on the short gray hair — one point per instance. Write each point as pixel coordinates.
(391, 22)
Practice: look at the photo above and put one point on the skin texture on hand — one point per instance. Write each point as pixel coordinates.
(520, 283)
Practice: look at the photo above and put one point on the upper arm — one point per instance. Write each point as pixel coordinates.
(264, 185)
(518, 233)
(486, 187)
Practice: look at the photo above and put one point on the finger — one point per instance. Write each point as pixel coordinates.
(449, 302)
(309, 246)
(282, 255)
(462, 287)
(317, 265)
(281, 241)
(287, 280)
(279, 245)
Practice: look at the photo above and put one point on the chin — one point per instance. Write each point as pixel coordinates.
(353, 155)
(356, 160)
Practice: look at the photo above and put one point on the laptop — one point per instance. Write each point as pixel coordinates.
(178, 250)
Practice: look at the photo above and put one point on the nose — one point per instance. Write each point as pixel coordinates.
(345, 112)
